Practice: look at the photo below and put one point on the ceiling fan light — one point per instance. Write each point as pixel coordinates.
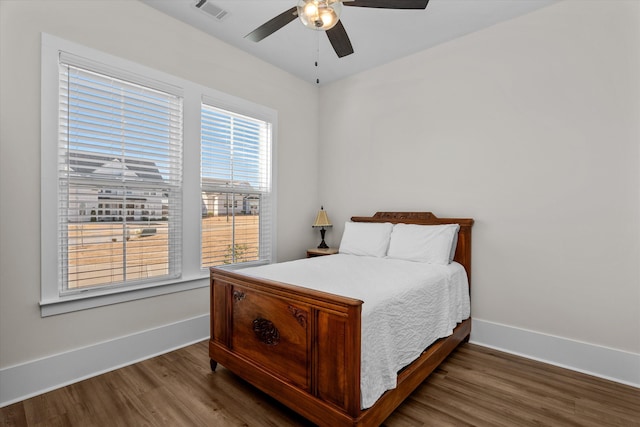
(310, 9)
(319, 14)
(328, 18)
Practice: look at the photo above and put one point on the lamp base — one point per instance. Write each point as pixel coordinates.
(322, 245)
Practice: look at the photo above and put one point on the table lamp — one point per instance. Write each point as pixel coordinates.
(322, 221)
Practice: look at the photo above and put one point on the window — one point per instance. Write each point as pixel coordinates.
(118, 142)
(124, 213)
(236, 189)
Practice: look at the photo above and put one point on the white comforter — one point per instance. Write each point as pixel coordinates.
(407, 306)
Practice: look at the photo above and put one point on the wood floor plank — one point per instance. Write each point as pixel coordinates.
(504, 395)
(475, 386)
(13, 415)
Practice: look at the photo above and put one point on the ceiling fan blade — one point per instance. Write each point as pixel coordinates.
(272, 25)
(340, 40)
(388, 4)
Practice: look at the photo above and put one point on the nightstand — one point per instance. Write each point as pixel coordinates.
(321, 252)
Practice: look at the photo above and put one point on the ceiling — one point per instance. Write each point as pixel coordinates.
(378, 36)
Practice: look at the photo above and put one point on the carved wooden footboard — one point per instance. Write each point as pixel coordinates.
(303, 346)
(288, 342)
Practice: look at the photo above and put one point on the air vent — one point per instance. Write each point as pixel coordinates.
(211, 9)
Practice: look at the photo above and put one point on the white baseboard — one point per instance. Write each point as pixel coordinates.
(603, 362)
(29, 379)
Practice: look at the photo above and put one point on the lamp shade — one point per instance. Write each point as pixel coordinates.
(319, 14)
(322, 219)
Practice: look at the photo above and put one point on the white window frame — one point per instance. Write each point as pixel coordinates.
(52, 301)
(266, 193)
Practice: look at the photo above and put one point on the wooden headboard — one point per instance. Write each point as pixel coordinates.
(463, 250)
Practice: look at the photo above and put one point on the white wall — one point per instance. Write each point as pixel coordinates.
(134, 31)
(532, 128)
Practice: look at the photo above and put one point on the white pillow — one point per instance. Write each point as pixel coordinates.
(433, 244)
(366, 238)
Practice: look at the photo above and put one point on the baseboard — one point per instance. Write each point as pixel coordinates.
(603, 362)
(30, 379)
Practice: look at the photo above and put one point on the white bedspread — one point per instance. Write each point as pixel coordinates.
(407, 306)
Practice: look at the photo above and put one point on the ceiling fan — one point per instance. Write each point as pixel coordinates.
(324, 15)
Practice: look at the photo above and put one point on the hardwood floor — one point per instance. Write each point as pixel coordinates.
(476, 386)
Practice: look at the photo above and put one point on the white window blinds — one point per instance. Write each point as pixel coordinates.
(236, 187)
(119, 176)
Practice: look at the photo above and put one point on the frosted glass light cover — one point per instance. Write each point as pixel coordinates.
(319, 15)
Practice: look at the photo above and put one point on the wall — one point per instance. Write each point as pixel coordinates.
(532, 128)
(134, 31)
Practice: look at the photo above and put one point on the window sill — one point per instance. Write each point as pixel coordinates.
(88, 299)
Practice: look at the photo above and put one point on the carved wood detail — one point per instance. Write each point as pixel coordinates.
(266, 331)
(238, 296)
(300, 315)
(403, 216)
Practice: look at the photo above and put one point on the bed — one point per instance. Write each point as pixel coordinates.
(303, 346)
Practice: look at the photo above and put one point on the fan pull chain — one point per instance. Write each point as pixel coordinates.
(317, 57)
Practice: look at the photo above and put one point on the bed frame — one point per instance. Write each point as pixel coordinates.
(302, 346)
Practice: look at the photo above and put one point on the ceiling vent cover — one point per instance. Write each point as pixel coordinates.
(211, 9)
